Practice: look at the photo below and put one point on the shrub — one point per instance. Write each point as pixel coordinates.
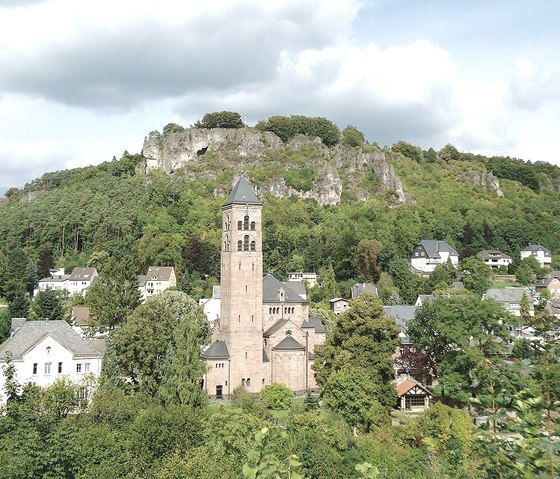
(276, 396)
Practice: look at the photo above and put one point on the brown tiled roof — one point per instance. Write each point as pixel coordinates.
(407, 385)
(83, 274)
(159, 273)
(80, 315)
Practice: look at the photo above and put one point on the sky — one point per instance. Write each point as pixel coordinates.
(82, 81)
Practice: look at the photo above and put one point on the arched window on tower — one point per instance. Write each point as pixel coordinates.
(240, 245)
(246, 243)
(239, 225)
(243, 383)
(246, 222)
(253, 246)
(252, 226)
(248, 382)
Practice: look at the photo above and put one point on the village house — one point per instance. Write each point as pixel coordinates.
(75, 283)
(494, 258)
(156, 281)
(57, 281)
(412, 396)
(81, 279)
(339, 305)
(360, 288)
(510, 298)
(540, 253)
(551, 282)
(309, 278)
(42, 351)
(264, 333)
(429, 253)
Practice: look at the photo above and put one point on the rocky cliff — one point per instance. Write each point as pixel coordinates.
(303, 167)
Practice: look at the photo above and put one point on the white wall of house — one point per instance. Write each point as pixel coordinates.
(541, 256)
(47, 361)
(427, 265)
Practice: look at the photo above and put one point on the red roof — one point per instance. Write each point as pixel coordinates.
(407, 385)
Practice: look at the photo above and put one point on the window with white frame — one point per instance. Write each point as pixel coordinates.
(47, 369)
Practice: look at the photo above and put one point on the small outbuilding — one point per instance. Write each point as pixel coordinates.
(412, 396)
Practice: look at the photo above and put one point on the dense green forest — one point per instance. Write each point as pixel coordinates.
(158, 423)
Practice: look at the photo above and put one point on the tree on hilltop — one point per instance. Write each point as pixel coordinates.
(220, 119)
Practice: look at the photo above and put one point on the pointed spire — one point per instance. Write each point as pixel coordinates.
(242, 193)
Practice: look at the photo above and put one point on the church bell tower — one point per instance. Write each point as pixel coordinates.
(241, 286)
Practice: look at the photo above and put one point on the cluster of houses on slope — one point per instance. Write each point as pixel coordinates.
(429, 253)
(155, 281)
(42, 351)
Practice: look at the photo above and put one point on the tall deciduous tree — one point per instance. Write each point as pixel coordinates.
(363, 341)
(367, 260)
(460, 333)
(476, 275)
(158, 348)
(114, 296)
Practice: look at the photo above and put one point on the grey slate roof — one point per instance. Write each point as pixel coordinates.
(507, 295)
(297, 287)
(360, 288)
(536, 247)
(32, 332)
(402, 314)
(275, 327)
(271, 287)
(217, 350)
(433, 247)
(492, 254)
(288, 344)
(242, 194)
(314, 323)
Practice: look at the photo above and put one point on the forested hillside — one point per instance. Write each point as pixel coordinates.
(119, 209)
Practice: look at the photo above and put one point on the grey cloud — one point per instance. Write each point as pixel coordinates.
(424, 123)
(152, 60)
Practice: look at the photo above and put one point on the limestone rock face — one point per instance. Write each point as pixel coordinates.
(176, 150)
(208, 152)
(482, 179)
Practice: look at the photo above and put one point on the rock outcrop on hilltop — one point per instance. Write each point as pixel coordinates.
(329, 172)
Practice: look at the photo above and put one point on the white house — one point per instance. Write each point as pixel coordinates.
(42, 351)
(510, 298)
(542, 254)
(211, 306)
(156, 281)
(494, 258)
(81, 279)
(429, 253)
(309, 278)
(57, 281)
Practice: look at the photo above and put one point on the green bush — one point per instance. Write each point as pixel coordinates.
(276, 396)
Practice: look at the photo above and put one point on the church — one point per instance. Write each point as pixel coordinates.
(264, 333)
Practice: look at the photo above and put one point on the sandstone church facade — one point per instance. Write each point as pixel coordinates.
(264, 333)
